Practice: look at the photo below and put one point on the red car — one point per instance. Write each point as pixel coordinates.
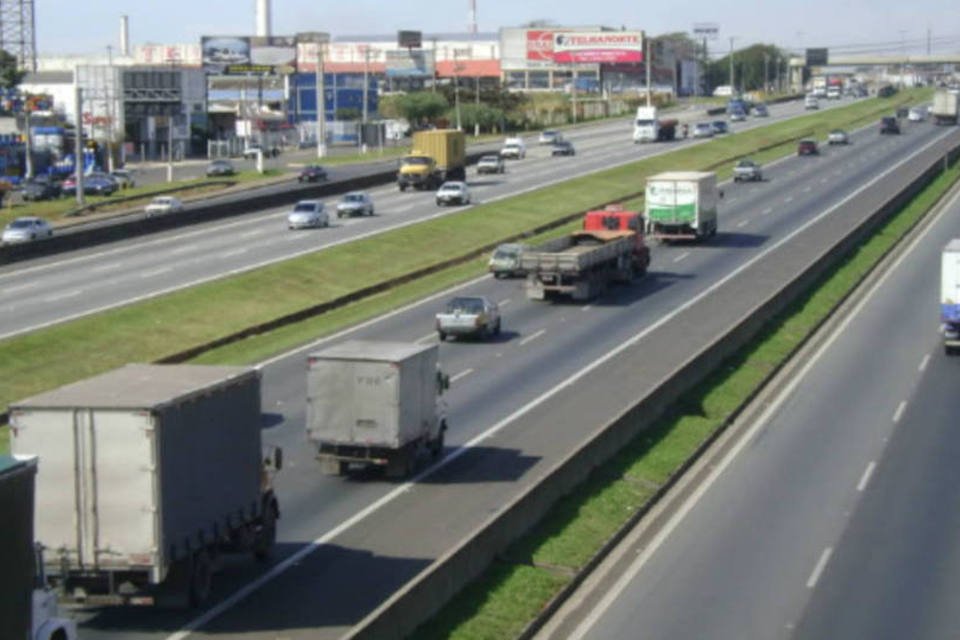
(807, 148)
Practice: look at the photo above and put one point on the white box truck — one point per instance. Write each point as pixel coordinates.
(375, 403)
(950, 296)
(149, 473)
(649, 127)
(946, 106)
(681, 205)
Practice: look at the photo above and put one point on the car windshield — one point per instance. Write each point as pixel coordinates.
(219, 163)
(314, 167)
(353, 197)
(465, 305)
(746, 163)
(304, 207)
(506, 254)
(161, 201)
(489, 159)
(703, 127)
(450, 187)
(21, 224)
(416, 161)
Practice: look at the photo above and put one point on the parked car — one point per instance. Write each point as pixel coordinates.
(747, 170)
(738, 115)
(124, 178)
(453, 192)
(549, 136)
(308, 214)
(163, 205)
(491, 164)
(563, 148)
(469, 316)
(26, 229)
(99, 184)
(838, 136)
(807, 148)
(40, 188)
(312, 173)
(889, 124)
(505, 260)
(703, 130)
(917, 114)
(220, 168)
(760, 111)
(719, 127)
(355, 203)
(513, 148)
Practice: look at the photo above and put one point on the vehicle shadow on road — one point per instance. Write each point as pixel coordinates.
(503, 337)
(485, 182)
(270, 420)
(735, 240)
(480, 465)
(621, 295)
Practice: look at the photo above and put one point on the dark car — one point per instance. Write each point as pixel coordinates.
(40, 188)
(889, 125)
(807, 148)
(563, 148)
(93, 184)
(903, 112)
(220, 168)
(719, 127)
(312, 173)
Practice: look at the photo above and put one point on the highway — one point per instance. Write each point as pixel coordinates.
(347, 544)
(831, 511)
(49, 290)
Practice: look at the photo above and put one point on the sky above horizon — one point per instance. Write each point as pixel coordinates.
(874, 26)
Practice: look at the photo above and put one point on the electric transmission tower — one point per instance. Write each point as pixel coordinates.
(17, 32)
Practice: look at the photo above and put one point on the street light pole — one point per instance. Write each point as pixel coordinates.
(321, 106)
(476, 121)
(456, 86)
(110, 97)
(647, 60)
(366, 81)
(732, 83)
(78, 161)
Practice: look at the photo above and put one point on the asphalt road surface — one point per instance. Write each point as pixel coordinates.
(347, 543)
(835, 515)
(49, 290)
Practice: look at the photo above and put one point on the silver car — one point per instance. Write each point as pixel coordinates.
(469, 316)
(838, 136)
(26, 229)
(747, 170)
(505, 261)
(355, 203)
(307, 214)
(163, 205)
(703, 130)
(453, 193)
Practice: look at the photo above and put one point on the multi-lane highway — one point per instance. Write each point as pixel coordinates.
(833, 511)
(347, 544)
(51, 290)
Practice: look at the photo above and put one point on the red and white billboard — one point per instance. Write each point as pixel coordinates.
(540, 45)
(606, 47)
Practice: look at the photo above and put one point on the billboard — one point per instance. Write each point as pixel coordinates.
(816, 57)
(243, 55)
(540, 45)
(606, 47)
(413, 63)
(409, 39)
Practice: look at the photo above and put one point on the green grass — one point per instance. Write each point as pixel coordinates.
(575, 529)
(169, 324)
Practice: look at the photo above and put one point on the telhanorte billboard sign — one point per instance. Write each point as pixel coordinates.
(605, 47)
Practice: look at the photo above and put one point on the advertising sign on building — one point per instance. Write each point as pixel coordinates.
(606, 47)
(410, 39)
(220, 52)
(227, 55)
(414, 63)
(540, 45)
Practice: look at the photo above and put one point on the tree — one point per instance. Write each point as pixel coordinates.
(11, 75)
(422, 106)
(748, 67)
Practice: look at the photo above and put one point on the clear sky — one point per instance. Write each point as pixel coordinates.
(89, 26)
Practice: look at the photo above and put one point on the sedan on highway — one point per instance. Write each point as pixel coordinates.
(889, 124)
(162, 205)
(719, 127)
(469, 316)
(491, 164)
(703, 130)
(807, 148)
(917, 114)
(26, 229)
(760, 111)
(838, 136)
(355, 203)
(738, 115)
(549, 136)
(453, 193)
(308, 214)
(312, 173)
(563, 148)
(220, 168)
(747, 170)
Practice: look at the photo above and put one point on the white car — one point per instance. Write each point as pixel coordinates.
(838, 136)
(810, 102)
(513, 148)
(162, 205)
(355, 203)
(308, 214)
(453, 193)
(917, 114)
(26, 229)
(549, 136)
(703, 130)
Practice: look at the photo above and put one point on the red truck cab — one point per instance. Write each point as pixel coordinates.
(615, 218)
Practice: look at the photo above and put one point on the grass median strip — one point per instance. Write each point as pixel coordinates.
(156, 328)
(497, 604)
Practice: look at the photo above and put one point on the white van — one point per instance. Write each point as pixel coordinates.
(810, 102)
(513, 148)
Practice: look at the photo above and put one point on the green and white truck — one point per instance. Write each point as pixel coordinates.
(681, 205)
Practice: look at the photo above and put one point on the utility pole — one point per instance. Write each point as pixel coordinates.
(170, 121)
(647, 60)
(476, 123)
(456, 86)
(109, 91)
(321, 106)
(903, 52)
(78, 162)
(766, 72)
(366, 82)
(732, 83)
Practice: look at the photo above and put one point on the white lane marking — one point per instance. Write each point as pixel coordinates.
(155, 272)
(743, 223)
(404, 208)
(233, 253)
(818, 569)
(461, 375)
(865, 478)
(899, 412)
(924, 363)
(64, 296)
(19, 287)
(183, 249)
(278, 569)
(106, 267)
(254, 233)
(766, 211)
(586, 307)
(532, 337)
(427, 338)
(788, 199)
(824, 180)
(614, 593)
(807, 189)
(504, 302)
(682, 256)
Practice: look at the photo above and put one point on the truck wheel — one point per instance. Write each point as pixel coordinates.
(948, 350)
(402, 186)
(201, 579)
(496, 328)
(442, 335)
(268, 533)
(436, 447)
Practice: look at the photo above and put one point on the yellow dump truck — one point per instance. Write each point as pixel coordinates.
(438, 155)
